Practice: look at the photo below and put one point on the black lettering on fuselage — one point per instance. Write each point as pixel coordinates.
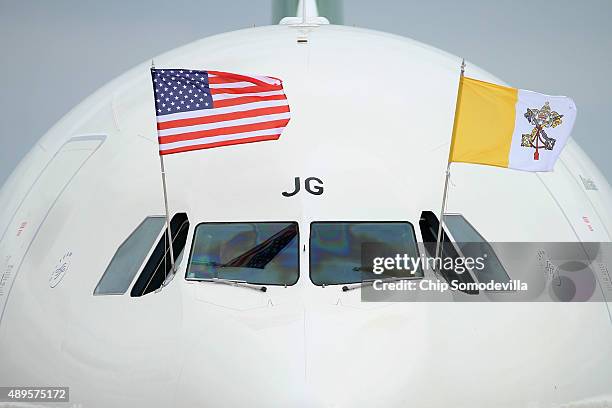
(296, 189)
(316, 189)
(312, 185)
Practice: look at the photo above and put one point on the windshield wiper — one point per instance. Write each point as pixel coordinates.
(234, 282)
(369, 282)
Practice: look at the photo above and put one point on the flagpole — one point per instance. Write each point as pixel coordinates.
(448, 164)
(163, 177)
(441, 219)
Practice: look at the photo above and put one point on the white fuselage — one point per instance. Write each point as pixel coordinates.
(371, 118)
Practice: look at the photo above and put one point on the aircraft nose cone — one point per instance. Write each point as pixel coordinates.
(345, 353)
(237, 357)
(364, 358)
(291, 355)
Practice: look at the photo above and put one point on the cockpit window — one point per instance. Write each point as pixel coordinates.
(345, 252)
(473, 245)
(263, 253)
(429, 230)
(129, 257)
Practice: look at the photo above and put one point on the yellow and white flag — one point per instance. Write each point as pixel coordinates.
(508, 127)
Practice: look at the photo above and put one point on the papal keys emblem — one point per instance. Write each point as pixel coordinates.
(538, 139)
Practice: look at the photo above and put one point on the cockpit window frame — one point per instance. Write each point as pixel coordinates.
(353, 222)
(193, 239)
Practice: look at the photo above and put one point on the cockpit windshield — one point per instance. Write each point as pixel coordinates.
(263, 253)
(347, 252)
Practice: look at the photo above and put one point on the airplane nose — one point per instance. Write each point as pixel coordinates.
(393, 355)
(290, 355)
(246, 357)
(364, 357)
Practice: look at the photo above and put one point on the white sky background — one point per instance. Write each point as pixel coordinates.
(54, 53)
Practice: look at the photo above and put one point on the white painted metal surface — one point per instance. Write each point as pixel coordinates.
(371, 116)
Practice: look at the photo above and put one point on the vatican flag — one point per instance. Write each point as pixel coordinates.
(508, 127)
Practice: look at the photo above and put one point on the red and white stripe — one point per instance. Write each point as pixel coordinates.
(245, 109)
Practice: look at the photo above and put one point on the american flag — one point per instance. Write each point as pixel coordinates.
(204, 109)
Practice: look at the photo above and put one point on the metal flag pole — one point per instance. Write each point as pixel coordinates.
(163, 177)
(445, 193)
(441, 219)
